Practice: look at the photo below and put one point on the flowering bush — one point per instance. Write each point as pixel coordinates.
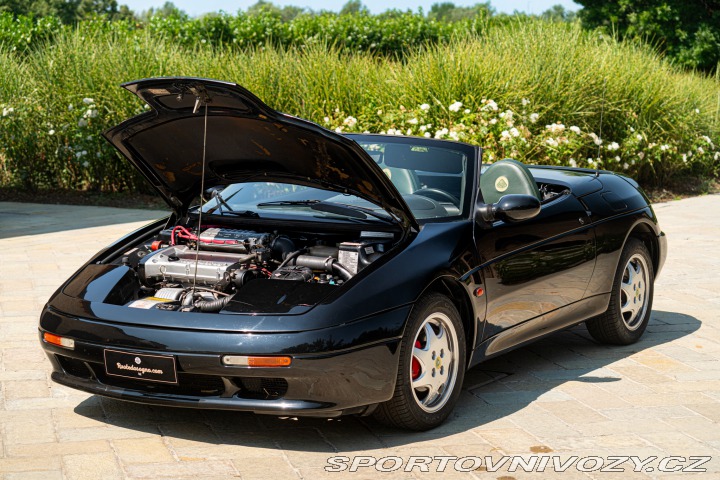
(517, 132)
(657, 122)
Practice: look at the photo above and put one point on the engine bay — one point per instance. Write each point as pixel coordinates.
(189, 270)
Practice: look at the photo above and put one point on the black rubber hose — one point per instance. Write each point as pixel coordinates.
(210, 306)
(290, 257)
(342, 272)
(281, 247)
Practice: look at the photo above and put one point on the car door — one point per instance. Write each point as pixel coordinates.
(535, 266)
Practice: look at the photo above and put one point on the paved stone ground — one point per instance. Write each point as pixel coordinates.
(563, 396)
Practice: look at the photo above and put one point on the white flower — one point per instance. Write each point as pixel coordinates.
(413, 121)
(70, 107)
(597, 140)
(664, 147)
(379, 112)
(700, 150)
(51, 132)
(697, 110)
(350, 121)
(684, 157)
(617, 159)
(505, 135)
(514, 132)
(86, 164)
(425, 107)
(455, 107)
(590, 161)
(625, 166)
(707, 139)
(466, 111)
(326, 119)
(409, 131)
(490, 105)
(613, 146)
(441, 133)
(573, 163)
(88, 101)
(641, 155)
(525, 101)
(556, 128)
(552, 142)
(427, 135)
(91, 113)
(82, 122)
(493, 121)
(7, 111)
(639, 137)
(575, 129)
(454, 135)
(338, 129)
(534, 117)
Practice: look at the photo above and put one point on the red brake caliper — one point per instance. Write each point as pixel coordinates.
(415, 364)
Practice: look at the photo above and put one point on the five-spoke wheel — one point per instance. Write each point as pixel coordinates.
(431, 367)
(630, 299)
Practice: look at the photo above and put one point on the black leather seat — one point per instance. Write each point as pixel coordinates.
(506, 177)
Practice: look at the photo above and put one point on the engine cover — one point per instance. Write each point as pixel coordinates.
(177, 264)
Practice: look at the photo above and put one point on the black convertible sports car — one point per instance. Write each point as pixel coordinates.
(332, 274)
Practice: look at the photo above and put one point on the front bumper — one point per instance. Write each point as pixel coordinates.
(324, 378)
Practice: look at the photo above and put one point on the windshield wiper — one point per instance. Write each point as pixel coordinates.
(246, 213)
(353, 211)
(288, 203)
(344, 209)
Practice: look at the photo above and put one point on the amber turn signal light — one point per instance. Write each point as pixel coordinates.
(245, 361)
(59, 341)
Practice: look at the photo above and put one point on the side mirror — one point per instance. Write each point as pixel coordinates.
(510, 208)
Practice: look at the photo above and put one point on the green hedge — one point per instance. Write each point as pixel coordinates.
(527, 89)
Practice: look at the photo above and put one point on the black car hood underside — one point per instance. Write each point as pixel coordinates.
(246, 141)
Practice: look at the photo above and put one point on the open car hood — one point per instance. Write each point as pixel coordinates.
(246, 141)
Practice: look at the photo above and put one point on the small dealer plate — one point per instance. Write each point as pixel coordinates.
(139, 366)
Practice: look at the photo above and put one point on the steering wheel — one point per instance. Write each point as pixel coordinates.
(438, 193)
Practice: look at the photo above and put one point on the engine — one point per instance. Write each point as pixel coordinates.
(186, 270)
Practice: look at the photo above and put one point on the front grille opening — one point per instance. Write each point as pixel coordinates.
(189, 384)
(258, 388)
(74, 367)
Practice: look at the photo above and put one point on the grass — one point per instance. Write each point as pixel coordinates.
(664, 122)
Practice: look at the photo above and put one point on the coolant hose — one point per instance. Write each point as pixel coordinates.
(210, 306)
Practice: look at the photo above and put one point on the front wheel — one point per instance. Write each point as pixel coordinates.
(431, 367)
(631, 298)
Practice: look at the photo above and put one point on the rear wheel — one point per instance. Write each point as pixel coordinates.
(431, 367)
(631, 299)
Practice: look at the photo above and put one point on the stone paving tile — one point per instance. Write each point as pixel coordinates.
(565, 395)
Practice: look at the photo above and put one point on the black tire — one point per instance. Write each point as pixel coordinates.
(406, 409)
(618, 326)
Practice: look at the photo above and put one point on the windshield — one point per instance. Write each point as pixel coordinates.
(430, 175)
